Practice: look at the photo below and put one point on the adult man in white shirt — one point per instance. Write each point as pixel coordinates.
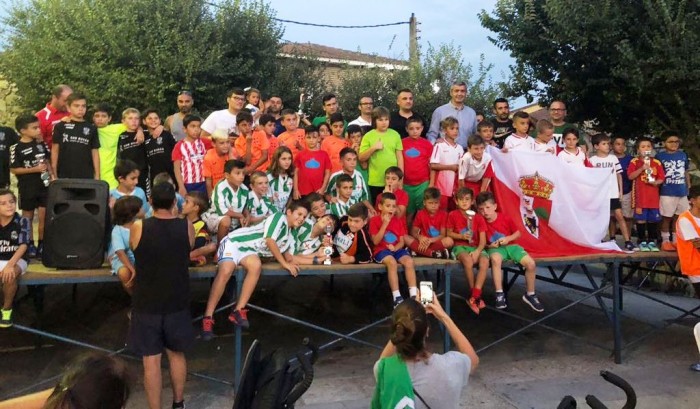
(225, 118)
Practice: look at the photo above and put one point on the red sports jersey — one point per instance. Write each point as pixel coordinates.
(191, 157)
(646, 195)
(416, 160)
(430, 225)
(401, 198)
(458, 222)
(394, 231)
(311, 168)
(501, 227)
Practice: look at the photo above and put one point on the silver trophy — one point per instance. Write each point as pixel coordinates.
(328, 250)
(45, 175)
(302, 102)
(470, 219)
(650, 171)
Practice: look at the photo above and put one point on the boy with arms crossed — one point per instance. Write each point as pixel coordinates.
(75, 143)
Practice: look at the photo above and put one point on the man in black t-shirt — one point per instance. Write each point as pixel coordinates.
(75, 143)
(8, 137)
(503, 125)
(398, 119)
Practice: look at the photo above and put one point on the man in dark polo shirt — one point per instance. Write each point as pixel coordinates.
(274, 107)
(53, 112)
(398, 119)
(330, 107)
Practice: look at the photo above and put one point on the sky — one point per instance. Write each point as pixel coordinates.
(440, 21)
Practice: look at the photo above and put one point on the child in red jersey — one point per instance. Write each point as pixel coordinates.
(313, 167)
(646, 174)
(416, 157)
(468, 230)
(428, 237)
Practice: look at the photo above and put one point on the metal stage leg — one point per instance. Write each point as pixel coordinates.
(446, 340)
(238, 353)
(616, 315)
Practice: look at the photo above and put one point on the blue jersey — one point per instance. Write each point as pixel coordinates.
(626, 182)
(675, 167)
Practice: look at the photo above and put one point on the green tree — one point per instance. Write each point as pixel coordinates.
(430, 81)
(138, 52)
(632, 65)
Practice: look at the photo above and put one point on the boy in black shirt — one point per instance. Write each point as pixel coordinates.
(351, 242)
(14, 236)
(159, 149)
(8, 137)
(28, 161)
(131, 148)
(75, 143)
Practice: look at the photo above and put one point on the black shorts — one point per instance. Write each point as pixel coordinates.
(32, 199)
(615, 204)
(149, 334)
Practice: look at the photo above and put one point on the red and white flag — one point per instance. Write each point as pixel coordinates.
(561, 210)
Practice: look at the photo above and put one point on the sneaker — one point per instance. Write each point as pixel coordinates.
(695, 367)
(31, 251)
(643, 246)
(629, 246)
(501, 302)
(397, 301)
(473, 305)
(652, 246)
(207, 328)
(179, 405)
(447, 253)
(668, 246)
(239, 318)
(414, 254)
(481, 303)
(198, 261)
(438, 254)
(533, 302)
(6, 319)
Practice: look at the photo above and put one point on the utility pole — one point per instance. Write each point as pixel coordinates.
(413, 56)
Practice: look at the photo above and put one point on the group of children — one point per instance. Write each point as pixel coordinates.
(368, 197)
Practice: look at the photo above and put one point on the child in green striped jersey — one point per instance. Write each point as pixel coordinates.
(343, 199)
(228, 202)
(260, 206)
(281, 178)
(308, 236)
(360, 192)
(246, 247)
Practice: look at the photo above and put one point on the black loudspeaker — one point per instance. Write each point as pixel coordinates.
(77, 219)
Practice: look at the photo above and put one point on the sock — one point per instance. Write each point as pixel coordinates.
(414, 247)
(665, 236)
(499, 291)
(396, 294)
(642, 232)
(652, 232)
(437, 246)
(530, 293)
(476, 293)
(413, 291)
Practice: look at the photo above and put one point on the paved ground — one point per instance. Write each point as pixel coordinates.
(532, 370)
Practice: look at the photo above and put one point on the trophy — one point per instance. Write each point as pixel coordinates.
(470, 219)
(302, 102)
(650, 171)
(45, 175)
(328, 250)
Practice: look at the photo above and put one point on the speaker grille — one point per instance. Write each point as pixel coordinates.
(74, 239)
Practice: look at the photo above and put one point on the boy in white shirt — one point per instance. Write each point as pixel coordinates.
(475, 170)
(604, 159)
(519, 140)
(444, 162)
(544, 142)
(571, 153)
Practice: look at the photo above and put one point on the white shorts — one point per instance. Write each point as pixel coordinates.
(212, 221)
(230, 251)
(22, 264)
(694, 279)
(626, 202)
(670, 206)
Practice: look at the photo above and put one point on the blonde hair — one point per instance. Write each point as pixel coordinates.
(257, 175)
(130, 111)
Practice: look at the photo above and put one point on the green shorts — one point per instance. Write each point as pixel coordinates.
(511, 252)
(415, 196)
(457, 250)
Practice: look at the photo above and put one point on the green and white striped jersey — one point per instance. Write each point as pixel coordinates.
(280, 190)
(260, 206)
(252, 239)
(340, 208)
(303, 242)
(360, 190)
(225, 198)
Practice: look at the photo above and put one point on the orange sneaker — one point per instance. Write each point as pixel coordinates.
(473, 305)
(668, 246)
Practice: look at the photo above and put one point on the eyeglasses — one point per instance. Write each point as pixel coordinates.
(238, 98)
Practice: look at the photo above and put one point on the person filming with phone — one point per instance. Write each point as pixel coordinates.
(408, 374)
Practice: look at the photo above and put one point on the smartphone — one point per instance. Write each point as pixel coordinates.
(426, 292)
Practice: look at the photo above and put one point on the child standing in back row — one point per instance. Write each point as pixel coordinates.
(281, 178)
(129, 147)
(313, 167)
(444, 162)
(646, 174)
(381, 148)
(416, 157)
(674, 190)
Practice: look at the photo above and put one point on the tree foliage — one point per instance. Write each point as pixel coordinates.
(430, 82)
(632, 65)
(139, 52)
